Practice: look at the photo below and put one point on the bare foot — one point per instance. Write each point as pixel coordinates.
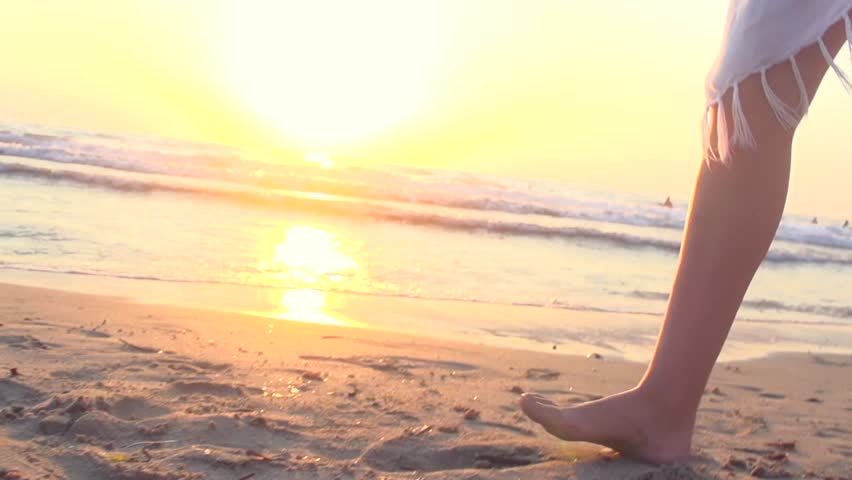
(629, 422)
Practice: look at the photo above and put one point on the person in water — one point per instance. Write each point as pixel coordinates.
(846, 224)
(758, 92)
(668, 202)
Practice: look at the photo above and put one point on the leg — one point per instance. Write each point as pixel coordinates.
(732, 220)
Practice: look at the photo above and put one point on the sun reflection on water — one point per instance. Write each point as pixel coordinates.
(312, 256)
(309, 306)
(309, 260)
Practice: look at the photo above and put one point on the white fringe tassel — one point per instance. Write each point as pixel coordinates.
(707, 129)
(787, 116)
(804, 101)
(848, 21)
(719, 147)
(742, 132)
(722, 137)
(847, 84)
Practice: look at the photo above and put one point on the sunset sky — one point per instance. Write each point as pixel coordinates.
(602, 94)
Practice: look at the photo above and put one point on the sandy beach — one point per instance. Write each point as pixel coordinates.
(100, 388)
(384, 240)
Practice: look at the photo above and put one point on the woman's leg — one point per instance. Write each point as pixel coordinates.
(732, 220)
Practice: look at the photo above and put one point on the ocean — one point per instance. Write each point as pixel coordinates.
(164, 221)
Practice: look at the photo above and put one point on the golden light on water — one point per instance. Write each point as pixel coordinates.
(312, 256)
(308, 260)
(309, 306)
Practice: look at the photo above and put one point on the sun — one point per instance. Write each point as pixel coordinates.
(319, 158)
(325, 73)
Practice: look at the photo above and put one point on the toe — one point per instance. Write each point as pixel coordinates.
(541, 399)
(539, 409)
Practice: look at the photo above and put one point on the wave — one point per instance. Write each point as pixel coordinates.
(401, 184)
(21, 231)
(762, 305)
(286, 171)
(348, 207)
(337, 206)
(823, 310)
(281, 170)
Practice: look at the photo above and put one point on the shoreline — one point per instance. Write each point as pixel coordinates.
(106, 388)
(628, 336)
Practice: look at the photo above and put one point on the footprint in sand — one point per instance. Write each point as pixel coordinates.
(25, 342)
(673, 472)
(748, 388)
(91, 333)
(504, 426)
(842, 450)
(194, 367)
(424, 453)
(136, 408)
(12, 392)
(211, 388)
(832, 432)
(542, 374)
(393, 364)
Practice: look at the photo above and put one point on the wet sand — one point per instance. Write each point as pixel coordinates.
(95, 387)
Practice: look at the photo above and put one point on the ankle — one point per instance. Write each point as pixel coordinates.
(667, 426)
(665, 406)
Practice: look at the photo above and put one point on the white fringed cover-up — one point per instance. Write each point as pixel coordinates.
(758, 35)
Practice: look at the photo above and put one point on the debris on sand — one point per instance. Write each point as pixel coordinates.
(790, 445)
(139, 348)
(764, 471)
(313, 376)
(255, 455)
(734, 463)
(471, 414)
(11, 474)
(417, 431)
(542, 374)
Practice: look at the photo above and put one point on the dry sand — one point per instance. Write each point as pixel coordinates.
(105, 389)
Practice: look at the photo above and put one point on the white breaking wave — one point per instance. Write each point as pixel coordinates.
(255, 181)
(397, 213)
